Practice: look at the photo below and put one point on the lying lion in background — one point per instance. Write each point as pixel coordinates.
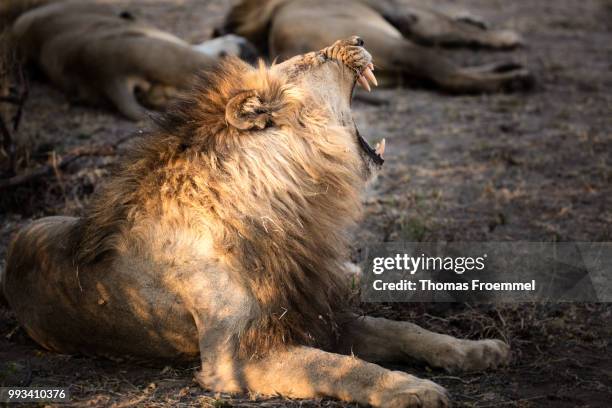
(100, 54)
(395, 32)
(224, 234)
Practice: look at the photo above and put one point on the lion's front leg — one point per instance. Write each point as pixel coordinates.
(304, 372)
(378, 339)
(294, 371)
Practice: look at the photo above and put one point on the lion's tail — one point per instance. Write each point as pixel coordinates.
(10, 10)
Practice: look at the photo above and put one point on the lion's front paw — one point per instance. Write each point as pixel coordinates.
(401, 390)
(470, 355)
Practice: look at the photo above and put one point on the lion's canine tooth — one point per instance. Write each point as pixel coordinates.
(370, 76)
(380, 148)
(364, 83)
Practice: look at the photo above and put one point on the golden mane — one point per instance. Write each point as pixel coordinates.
(278, 199)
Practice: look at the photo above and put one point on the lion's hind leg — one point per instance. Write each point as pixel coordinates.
(435, 28)
(34, 283)
(383, 340)
(418, 62)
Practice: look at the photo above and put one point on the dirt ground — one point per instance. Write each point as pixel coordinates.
(530, 166)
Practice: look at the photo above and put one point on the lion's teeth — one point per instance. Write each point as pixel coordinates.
(364, 83)
(371, 66)
(380, 148)
(370, 76)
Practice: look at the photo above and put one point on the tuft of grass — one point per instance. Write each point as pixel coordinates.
(413, 229)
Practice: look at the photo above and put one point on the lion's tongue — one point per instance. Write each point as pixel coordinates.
(367, 75)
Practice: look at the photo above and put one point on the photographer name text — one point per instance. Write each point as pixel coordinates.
(474, 285)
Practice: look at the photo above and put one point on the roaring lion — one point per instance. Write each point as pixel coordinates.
(100, 54)
(224, 234)
(398, 33)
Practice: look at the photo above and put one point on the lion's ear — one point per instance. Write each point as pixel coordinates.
(247, 111)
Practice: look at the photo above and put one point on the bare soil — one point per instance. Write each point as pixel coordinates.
(530, 166)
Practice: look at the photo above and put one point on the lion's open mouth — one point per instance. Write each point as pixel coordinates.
(376, 154)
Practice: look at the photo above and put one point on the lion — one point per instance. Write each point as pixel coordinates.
(399, 34)
(223, 234)
(102, 55)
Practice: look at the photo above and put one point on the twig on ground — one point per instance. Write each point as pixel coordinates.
(8, 144)
(44, 170)
(28, 380)
(23, 97)
(450, 377)
(7, 140)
